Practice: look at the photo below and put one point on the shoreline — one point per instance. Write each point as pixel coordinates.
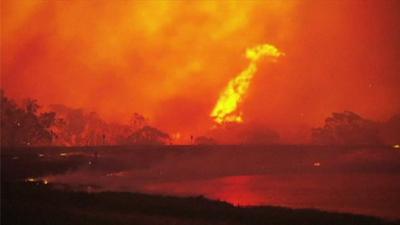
(39, 204)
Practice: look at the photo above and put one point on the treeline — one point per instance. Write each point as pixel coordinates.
(25, 124)
(349, 128)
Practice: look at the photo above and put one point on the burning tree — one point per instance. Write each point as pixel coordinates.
(226, 108)
(137, 121)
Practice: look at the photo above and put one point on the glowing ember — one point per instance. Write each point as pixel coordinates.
(30, 179)
(226, 108)
(316, 164)
(36, 180)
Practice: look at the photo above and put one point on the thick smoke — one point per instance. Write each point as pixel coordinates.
(156, 58)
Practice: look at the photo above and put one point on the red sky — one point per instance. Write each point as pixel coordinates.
(171, 60)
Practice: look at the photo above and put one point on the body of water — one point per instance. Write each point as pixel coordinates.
(357, 180)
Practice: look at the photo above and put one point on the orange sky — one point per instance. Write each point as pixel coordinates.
(171, 60)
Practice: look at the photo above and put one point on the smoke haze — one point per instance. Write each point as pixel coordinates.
(170, 61)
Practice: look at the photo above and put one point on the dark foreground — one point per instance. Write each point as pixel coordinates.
(25, 201)
(36, 203)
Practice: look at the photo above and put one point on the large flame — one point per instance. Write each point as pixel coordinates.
(226, 108)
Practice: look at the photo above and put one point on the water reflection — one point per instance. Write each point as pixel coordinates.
(373, 194)
(363, 181)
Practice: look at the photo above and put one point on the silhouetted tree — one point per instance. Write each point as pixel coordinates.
(24, 126)
(9, 122)
(148, 136)
(79, 128)
(95, 130)
(31, 106)
(118, 133)
(138, 121)
(347, 128)
(70, 130)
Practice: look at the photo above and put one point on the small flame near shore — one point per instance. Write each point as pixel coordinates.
(36, 180)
